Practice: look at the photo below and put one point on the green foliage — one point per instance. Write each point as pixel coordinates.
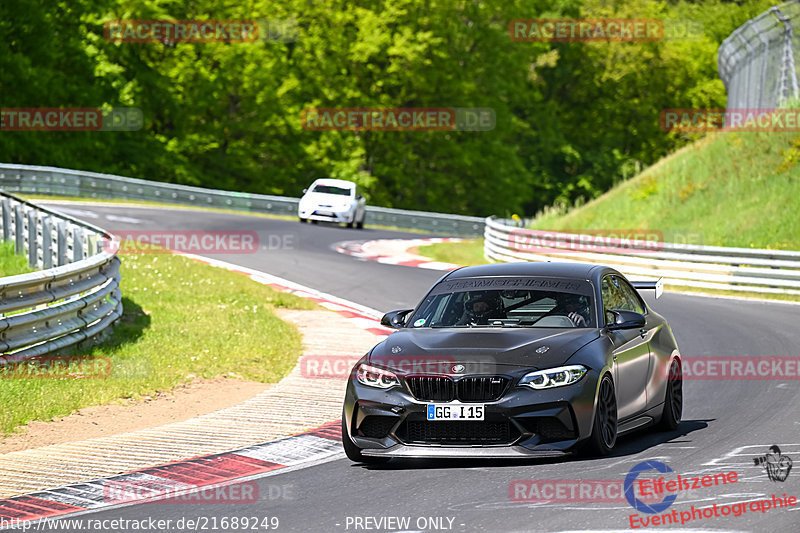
(10, 263)
(572, 118)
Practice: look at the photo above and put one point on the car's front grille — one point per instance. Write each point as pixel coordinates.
(458, 432)
(432, 389)
(481, 389)
(468, 389)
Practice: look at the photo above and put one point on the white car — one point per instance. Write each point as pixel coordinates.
(332, 200)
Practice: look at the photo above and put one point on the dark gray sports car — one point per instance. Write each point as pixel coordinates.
(515, 360)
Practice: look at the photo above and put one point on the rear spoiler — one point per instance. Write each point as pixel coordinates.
(657, 286)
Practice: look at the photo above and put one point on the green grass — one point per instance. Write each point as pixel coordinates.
(10, 263)
(182, 319)
(465, 253)
(728, 189)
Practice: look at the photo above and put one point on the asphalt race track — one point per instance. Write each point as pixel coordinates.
(725, 423)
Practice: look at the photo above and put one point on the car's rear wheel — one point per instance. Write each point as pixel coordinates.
(604, 429)
(353, 452)
(673, 399)
(360, 224)
(349, 224)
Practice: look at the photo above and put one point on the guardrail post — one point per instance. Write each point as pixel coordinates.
(62, 243)
(47, 242)
(6, 207)
(92, 244)
(78, 242)
(19, 230)
(33, 239)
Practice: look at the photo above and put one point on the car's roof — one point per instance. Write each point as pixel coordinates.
(561, 270)
(334, 182)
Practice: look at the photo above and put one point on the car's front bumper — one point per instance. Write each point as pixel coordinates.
(327, 215)
(522, 423)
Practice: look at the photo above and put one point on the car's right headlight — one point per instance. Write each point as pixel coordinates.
(376, 377)
(553, 377)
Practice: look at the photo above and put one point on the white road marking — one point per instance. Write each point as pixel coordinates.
(77, 212)
(129, 220)
(757, 451)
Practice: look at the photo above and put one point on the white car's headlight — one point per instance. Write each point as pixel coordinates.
(553, 377)
(376, 377)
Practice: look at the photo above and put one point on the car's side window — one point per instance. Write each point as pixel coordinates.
(634, 302)
(608, 294)
(613, 297)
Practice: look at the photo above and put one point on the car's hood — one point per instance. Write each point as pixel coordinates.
(333, 200)
(479, 350)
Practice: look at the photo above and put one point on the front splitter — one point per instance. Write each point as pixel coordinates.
(462, 452)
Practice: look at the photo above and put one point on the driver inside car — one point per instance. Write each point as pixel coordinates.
(576, 308)
(482, 307)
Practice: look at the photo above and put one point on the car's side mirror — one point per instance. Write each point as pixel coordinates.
(395, 319)
(305, 191)
(359, 197)
(624, 319)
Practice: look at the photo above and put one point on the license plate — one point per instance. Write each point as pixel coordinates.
(455, 411)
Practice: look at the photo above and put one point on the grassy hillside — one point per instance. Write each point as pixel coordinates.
(728, 189)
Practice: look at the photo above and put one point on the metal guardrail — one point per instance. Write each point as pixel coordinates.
(709, 267)
(757, 61)
(76, 183)
(75, 298)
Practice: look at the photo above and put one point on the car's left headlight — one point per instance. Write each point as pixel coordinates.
(376, 377)
(554, 377)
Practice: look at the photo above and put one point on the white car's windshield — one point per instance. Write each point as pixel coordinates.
(332, 189)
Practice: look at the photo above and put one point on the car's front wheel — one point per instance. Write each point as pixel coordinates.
(604, 429)
(353, 452)
(673, 399)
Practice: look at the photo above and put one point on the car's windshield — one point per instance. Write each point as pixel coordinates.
(333, 189)
(512, 307)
